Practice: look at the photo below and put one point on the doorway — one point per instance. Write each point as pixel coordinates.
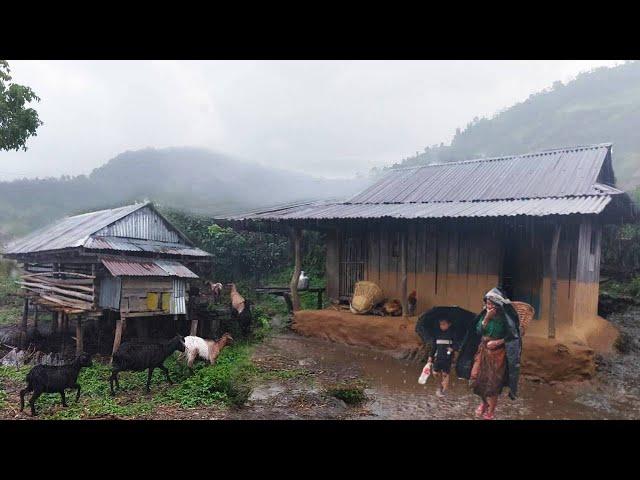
(521, 276)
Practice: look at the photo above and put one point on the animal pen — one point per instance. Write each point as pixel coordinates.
(531, 223)
(123, 263)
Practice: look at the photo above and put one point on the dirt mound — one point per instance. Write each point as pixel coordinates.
(545, 359)
(553, 360)
(395, 335)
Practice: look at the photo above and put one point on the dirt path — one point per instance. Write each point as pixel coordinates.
(394, 393)
(294, 372)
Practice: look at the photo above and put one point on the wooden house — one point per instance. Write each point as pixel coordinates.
(126, 262)
(531, 223)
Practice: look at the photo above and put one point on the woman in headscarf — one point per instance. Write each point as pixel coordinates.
(490, 355)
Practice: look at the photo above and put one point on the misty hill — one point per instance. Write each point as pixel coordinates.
(597, 107)
(191, 179)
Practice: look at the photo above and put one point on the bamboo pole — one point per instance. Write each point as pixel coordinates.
(296, 240)
(553, 267)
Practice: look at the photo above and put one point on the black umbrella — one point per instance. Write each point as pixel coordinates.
(461, 320)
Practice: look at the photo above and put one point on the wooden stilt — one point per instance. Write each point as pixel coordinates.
(403, 273)
(79, 335)
(54, 322)
(23, 324)
(142, 327)
(194, 325)
(296, 240)
(118, 335)
(35, 316)
(553, 267)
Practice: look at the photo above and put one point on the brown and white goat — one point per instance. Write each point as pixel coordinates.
(205, 349)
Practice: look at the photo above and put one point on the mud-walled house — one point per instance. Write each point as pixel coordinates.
(531, 223)
(123, 263)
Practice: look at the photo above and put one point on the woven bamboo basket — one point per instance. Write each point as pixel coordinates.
(366, 295)
(525, 313)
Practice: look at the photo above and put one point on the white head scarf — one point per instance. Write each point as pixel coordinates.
(497, 296)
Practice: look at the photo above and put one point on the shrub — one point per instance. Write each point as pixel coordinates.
(351, 393)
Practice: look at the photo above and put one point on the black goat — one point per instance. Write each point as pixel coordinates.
(53, 379)
(136, 357)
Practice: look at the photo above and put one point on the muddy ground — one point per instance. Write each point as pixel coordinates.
(296, 371)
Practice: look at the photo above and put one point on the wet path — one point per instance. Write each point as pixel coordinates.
(395, 394)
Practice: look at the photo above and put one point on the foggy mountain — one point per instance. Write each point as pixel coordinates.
(192, 179)
(597, 107)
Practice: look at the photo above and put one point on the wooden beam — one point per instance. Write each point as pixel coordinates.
(553, 268)
(296, 240)
(403, 273)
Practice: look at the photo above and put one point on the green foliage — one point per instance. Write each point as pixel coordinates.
(228, 381)
(17, 122)
(350, 392)
(10, 304)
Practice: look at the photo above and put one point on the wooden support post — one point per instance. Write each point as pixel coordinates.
(296, 240)
(553, 267)
(320, 299)
(23, 325)
(118, 335)
(193, 330)
(403, 273)
(54, 322)
(142, 329)
(79, 335)
(35, 316)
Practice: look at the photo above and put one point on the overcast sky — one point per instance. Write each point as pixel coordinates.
(331, 118)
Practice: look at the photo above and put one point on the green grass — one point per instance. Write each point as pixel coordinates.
(228, 383)
(350, 392)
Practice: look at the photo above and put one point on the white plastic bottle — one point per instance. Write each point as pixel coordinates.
(426, 373)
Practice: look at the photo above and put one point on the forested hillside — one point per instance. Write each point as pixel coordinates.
(598, 106)
(191, 179)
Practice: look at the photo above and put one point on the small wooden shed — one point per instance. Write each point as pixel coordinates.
(531, 223)
(129, 260)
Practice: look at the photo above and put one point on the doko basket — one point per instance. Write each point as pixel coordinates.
(366, 295)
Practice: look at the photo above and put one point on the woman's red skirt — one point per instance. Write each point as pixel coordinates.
(489, 368)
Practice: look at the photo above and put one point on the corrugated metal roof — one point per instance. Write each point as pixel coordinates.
(70, 231)
(152, 268)
(138, 245)
(553, 173)
(554, 182)
(496, 208)
(133, 228)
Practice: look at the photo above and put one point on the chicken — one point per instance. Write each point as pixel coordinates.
(237, 300)
(412, 300)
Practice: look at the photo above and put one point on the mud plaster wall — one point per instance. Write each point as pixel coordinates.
(452, 265)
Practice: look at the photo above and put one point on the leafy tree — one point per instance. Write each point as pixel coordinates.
(17, 122)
